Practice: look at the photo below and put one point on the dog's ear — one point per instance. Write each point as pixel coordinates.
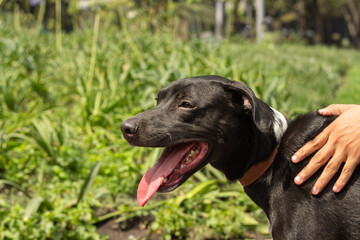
(261, 113)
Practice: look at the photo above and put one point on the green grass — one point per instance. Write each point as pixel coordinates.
(60, 115)
(349, 93)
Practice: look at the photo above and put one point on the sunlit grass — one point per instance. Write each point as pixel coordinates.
(349, 92)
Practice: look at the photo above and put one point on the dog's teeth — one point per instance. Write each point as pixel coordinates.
(192, 155)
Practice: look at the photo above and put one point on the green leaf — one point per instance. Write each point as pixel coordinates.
(89, 181)
(249, 220)
(15, 185)
(32, 207)
(202, 187)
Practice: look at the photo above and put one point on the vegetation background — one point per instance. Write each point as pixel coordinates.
(72, 71)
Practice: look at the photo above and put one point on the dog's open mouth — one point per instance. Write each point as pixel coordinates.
(168, 173)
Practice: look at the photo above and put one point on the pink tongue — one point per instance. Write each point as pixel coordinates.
(166, 164)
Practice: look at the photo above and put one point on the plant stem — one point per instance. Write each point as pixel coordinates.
(39, 19)
(93, 53)
(116, 213)
(16, 17)
(58, 23)
(129, 39)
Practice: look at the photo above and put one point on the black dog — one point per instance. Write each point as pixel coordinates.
(211, 119)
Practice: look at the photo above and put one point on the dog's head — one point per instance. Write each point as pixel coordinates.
(202, 120)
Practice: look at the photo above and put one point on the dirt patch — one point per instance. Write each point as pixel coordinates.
(138, 228)
(134, 229)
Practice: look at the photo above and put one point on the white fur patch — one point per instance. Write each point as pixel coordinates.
(280, 125)
(269, 227)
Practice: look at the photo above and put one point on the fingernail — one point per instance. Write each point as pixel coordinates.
(294, 158)
(336, 189)
(321, 110)
(298, 180)
(314, 190)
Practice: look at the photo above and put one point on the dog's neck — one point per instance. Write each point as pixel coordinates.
(257, 170)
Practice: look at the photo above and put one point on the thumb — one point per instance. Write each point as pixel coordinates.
(334, 109)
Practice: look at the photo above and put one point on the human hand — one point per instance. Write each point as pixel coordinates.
(339, 142)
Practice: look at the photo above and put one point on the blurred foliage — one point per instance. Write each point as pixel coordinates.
(312, 21)
(60, 115)
(318, 21)
(349, 92)
(160, 15)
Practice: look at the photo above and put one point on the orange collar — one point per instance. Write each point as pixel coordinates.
(257, 170)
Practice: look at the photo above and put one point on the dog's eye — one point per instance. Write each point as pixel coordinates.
(185, 104)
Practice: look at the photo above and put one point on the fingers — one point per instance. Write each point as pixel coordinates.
(311, 146)
(321, 139)
(329, 171)
(335, 109)
(345, 175)
(339, 142)
(319, 159)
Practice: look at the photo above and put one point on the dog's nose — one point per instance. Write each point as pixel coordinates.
(129, 127)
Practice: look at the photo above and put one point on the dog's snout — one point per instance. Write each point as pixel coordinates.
(129, 127)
